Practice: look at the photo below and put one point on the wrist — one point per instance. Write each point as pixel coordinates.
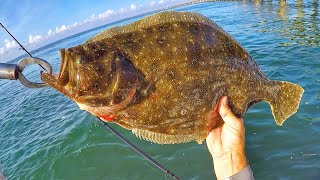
(229, 164)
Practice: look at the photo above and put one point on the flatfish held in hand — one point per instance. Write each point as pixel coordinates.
(162, 76)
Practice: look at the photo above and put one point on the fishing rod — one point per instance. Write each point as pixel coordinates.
(158, 165)
(22, 47)
(1, 25)
(14, 72)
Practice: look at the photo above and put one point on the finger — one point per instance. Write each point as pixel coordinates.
(226, 113)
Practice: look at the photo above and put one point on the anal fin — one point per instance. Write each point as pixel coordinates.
(167, 138)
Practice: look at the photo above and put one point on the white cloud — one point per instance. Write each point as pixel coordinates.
(92, 18)
(106, 14)
(10, 44)
(133, 7)
(34, 39)
(62, 28)
(161, 2)
(152, 3)
(2, 50)
(50, 32)
(122, 10)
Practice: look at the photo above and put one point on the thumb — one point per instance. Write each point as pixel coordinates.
(226, 113)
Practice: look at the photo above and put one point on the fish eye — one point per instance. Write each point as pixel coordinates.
(95, 85)
(79, 60)
(97, 68)
(195, 28)
(83, 59)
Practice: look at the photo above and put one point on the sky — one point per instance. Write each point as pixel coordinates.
(36, 23)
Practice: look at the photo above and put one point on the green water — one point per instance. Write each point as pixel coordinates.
(44, 135)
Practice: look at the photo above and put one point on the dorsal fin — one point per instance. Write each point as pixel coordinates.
(167, 138)
(156, 19)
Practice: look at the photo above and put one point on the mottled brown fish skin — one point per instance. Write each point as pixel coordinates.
(163, 81)
(194, 65)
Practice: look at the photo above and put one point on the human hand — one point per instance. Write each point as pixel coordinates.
(226, 143)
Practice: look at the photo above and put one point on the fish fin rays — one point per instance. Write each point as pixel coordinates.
(157, 19)
(286, 101)
(166, 138)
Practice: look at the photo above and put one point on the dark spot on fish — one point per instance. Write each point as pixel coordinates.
(209, 40)
(229, 46)
(194, 63)
(160, 40)
(99, 53)
(129, 43)
(83, 59)
(194, 29)
(149, 30)
(91, 46)
(72, 52)
(100, 44)
(162, 28)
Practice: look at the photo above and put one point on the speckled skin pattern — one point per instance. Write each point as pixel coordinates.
(165, 79)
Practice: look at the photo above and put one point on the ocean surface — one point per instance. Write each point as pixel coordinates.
(44, 135)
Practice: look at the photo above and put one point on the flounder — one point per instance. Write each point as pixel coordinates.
(161, 76)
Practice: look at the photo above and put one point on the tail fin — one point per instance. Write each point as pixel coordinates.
(286, 101)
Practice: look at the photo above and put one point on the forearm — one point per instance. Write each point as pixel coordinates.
(229, 164)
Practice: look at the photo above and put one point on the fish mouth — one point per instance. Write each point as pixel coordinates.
(67, 74)
(63, 77)
(61, 81)
(52, 80)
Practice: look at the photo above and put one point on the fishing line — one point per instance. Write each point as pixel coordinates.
(136, 149)
(1, 25)
(135, 154)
